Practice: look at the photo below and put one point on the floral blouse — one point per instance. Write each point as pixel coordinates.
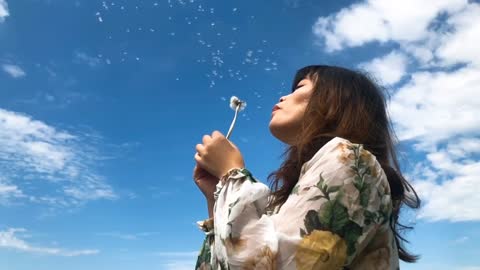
(337, 217)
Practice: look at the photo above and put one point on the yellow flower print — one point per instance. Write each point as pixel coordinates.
(321, 250)
(346, 154)
(265, 260)
(234, 245)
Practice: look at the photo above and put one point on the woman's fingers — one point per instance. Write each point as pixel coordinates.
(216, 133)
(197, 159)
(206, 139)
(200, 149)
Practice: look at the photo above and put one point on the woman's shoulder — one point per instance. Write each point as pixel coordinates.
(338, 149)
(341, 156)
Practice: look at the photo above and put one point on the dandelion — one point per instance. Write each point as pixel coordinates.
(236, 105)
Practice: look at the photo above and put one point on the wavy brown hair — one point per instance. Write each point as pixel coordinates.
(350, 105)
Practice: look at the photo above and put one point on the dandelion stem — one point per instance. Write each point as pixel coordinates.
(233, 122)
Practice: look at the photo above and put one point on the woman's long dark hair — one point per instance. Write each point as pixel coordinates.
(346, 104)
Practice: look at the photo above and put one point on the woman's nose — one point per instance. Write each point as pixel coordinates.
(282, 98)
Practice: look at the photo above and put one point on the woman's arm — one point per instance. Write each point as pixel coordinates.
(332, 214)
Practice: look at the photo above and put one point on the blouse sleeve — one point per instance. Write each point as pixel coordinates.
(340, 200)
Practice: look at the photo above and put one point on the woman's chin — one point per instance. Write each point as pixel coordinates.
(277, 133)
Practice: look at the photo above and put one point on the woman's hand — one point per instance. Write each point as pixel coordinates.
(205, 182)
(217, 155)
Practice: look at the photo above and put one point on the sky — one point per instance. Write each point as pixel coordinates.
(103, 102)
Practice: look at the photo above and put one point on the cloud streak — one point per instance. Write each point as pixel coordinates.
(129, 236)
(14, 71)
(59, 164)
(178, 260)
(9, 239)
(83, 58)
(3, 10)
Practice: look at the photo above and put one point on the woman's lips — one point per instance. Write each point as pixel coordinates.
(275, 108)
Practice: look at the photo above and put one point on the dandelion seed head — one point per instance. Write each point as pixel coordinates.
(235, 101)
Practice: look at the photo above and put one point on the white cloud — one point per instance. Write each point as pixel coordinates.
(178, 254)
(82, 57)
(3, 10)
(460, 240)
(384, 20)
(8, 192)
(9, 239)
(437, 108)
(434, 106)
(31, 150)
(461, 46)
(129, 236)
(180, 265)
(14, 70)
(178, 260)
(389, 68)
(455, 198)
(448, 181)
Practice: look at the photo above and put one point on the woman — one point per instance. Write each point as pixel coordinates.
(336, 197)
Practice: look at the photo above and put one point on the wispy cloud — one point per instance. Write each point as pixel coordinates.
(179, 265)
(84, 58)
(178, 254)
(449, 184)
(3, 10)
(9, 239)
(435, 108)
(129, 236)
(460, 240)
(178, 260)
(8, 192)
(31, 150)
(13, 70)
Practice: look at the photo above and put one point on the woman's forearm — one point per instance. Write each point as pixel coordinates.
(210, 204)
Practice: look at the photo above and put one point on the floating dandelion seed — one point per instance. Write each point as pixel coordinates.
(236, 105)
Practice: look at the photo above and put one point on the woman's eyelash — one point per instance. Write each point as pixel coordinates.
(298, 86)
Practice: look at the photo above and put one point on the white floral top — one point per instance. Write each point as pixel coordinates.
(337, 217)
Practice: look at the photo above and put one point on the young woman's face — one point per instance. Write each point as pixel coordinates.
(287, 115)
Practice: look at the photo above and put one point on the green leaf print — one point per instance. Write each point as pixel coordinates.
(249, 175)
(205, 253)
(295, 190)
(365, 195)
(333, 189)
(334, 216)
(369, 217)
(230, 206)
(326, 190)
(352, 232)
(316, 198)
(312, 222)
(320, 182)
(223, 265)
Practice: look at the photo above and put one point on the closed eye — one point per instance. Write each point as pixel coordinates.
(299, 86)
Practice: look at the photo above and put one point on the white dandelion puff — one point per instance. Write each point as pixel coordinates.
(237, 105)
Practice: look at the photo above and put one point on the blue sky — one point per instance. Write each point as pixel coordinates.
(103, 102)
